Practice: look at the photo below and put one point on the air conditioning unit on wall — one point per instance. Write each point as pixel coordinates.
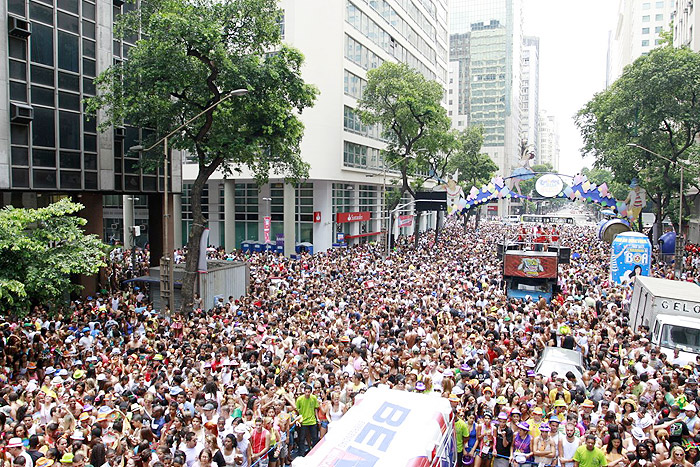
(18, 27)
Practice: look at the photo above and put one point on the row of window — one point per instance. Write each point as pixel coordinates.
(391, 16)
(647, 18)
(647, 5)
(361, 156)
(352, 123)
(353, 85)
(365, 25)
(657, 30)
(645, 42)
(361, 55)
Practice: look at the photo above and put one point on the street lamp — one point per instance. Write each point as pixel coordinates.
(133, 200)
(166, 266)
(679, 264)
(384, 171)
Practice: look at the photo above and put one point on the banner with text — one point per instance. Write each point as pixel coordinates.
(343, 217)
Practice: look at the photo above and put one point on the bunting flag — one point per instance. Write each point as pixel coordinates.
(580, 189)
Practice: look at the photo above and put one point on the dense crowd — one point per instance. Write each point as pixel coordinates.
(112, 383)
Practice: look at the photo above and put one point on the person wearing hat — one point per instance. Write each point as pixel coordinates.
(504, 441)
(522, 445)
(535, 421)
(544, 448)
(691, 419)
(16, 449)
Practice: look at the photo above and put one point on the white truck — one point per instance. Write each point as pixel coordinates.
(671, 310)
(389, 428)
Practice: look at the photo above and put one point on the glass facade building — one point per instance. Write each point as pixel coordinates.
(486, 43)
(56, 48)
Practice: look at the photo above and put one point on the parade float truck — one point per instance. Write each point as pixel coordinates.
(530, 274)
(388, 428)
(671, 312)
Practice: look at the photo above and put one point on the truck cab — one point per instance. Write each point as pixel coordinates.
(671, 311)
(674, 332)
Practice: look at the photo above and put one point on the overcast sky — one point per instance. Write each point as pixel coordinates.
(573, 49)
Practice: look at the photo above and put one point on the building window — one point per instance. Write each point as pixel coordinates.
(660, 4)
(645, 43)
(646, 18)
(659, 17)
(645, 30)
(304, 208)
(657, 29)
(646, 6)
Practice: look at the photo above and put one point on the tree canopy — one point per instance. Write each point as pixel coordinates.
(475, 168)
(415, 124)
(191, 55)
(39, 250)
(654, 104)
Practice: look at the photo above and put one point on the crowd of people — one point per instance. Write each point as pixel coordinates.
(111, 382)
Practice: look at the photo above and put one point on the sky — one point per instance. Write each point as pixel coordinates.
(573, 50)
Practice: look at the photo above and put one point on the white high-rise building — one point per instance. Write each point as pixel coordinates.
(548, 142)
(639, 25)
(341, 40)
(686, 21)
(530, 92)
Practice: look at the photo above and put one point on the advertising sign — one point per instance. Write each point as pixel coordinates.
(630, 255)
(405, 221)
(531, 264)
(267, 223)
(340, 237)
(549, 185)
(343, 217)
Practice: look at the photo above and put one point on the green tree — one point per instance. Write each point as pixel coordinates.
(39, 250)
(191, 55)
(475, 168)
(654, 104)
(413, 121)
(527, 187)
(600, 176)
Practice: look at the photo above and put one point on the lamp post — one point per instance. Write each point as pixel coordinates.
(166, 266)
(133, 200)
(384, 172)
(679, 235)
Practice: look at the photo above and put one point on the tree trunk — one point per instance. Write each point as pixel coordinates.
(195, 235)
(416, 230)
(659, 219)
(437, 226)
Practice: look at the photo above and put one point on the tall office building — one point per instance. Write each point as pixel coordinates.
(49, 146)
(548, 141)
(341, 41)
(486, 42)
(530, 92)
(686, 21)
(639, 25)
